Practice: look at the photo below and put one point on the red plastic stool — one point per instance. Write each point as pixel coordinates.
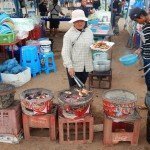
(71, 129)
(121, 131)
(41, 121)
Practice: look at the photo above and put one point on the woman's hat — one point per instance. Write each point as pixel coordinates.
(78, 14)
(135, 13)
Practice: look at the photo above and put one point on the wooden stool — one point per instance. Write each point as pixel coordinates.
(105, 76)
(121, 131)
(41, 121)
(74, 128)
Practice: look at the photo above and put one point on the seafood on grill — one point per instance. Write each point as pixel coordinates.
(79, 93)
(101, 45)
(83, 92)
(37, 95)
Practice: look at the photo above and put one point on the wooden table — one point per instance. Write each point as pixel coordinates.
(11, 45)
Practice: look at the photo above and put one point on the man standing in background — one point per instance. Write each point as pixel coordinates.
(96, 4)
(116, 10)
(86, 9)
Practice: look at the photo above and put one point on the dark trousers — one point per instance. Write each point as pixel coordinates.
(147, 76)
(148, 127)
(81, 75)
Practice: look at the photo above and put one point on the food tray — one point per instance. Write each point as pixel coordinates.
(110, 44)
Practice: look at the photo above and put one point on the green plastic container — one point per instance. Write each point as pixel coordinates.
(7, 38)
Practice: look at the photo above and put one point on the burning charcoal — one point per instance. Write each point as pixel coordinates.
(42, 96)
(80, 93)
(84, 91)
(67, 92)
(26, 95)
(39, 93)
(30, 97)
(68, 96)
(38, 97)
(47, 95)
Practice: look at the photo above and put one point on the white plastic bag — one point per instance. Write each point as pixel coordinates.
(17, 79)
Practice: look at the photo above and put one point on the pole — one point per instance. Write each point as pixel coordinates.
(17, 7)
(112, 12)
(105, 5)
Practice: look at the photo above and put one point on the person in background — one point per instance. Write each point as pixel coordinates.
(117, 5)
(43, 9)
(70, 3)
(96, 4)
(76, 52)
(86, 10)
(62, 3)
(142, 17)
(55, 10)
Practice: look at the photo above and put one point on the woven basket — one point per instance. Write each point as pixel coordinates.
(7, 38)
(7, 93)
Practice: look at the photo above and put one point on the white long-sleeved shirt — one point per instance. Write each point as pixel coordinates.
(79, 55)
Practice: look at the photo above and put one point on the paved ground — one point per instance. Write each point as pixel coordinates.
(123, 78)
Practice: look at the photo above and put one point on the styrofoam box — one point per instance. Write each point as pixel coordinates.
(17, 79)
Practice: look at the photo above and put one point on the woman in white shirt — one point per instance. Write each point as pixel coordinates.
(76, 52)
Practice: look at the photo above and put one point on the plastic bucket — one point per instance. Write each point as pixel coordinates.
(45, 46)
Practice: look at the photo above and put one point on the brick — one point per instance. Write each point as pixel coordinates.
(127, 131)
(42, 121)
(11, 119)
(71, 129)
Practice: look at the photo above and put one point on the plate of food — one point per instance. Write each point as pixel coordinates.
(102, 45)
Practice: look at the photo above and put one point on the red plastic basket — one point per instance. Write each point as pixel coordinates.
(11, 119)
(35, 33)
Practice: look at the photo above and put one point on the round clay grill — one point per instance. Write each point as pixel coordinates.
(36, 105)
(119, 103)
(73, 102)
(119, 96)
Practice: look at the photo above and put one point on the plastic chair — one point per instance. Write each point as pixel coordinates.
(47, 62)
(29, 58)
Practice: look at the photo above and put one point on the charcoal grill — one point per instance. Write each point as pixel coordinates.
(36, 106)
(119, 103)
(73, 103)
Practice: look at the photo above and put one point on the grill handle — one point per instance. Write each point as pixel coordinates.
(79, 85)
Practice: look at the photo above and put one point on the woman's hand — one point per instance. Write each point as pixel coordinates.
(71, 72)
(138, 51)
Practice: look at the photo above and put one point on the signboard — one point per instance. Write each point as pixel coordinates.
(7, 6)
